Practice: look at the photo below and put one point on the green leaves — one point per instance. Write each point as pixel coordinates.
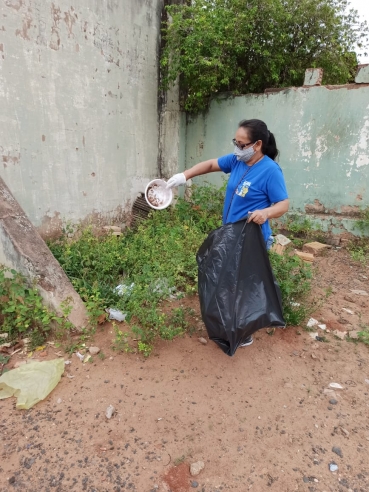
(246, 46)
(22, 310)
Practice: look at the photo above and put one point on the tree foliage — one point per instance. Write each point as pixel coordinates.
(244, 46)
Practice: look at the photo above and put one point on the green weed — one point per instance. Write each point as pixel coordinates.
(364, 336)
(300, 229)
(363, 222)
(156, 260)
(22, 310)
(294, 279)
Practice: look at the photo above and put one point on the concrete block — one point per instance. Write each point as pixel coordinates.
(307, 257)
(362, 74)
(315, 248)
(280, 244)
(23, 249)
(313, 76)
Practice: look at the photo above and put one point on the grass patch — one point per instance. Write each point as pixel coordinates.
(359, 247)
(363, 335)
(155, 261)
(294, 279)
(23, 313)
(300, 230)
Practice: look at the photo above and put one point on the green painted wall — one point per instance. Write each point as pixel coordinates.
(323, 137)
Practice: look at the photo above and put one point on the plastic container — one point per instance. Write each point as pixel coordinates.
(157, 195)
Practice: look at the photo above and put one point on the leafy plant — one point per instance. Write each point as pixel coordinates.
(23, 312)
(363, 335)
(294, 279)
(363, 222)
(301, 229)
(137, 271)
(359, 247)
(235, 46)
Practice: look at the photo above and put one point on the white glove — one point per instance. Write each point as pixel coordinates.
(176, 180)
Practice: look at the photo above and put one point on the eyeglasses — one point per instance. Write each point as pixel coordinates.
(240, 146)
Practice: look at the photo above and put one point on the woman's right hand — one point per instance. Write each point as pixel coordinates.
(176, 180)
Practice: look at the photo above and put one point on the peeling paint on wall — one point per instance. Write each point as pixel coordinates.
(322, 135)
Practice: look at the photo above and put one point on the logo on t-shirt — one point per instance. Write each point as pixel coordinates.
(243, 188)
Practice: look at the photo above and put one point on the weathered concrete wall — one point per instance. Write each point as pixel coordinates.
(79, 112)
(323, 137)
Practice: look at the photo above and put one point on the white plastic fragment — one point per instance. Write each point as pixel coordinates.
(333, 467)
(336, 386)
(123, 289)
(322, 327)
(80, 356)
(67, 362)
(348, 310)
(116, 315)
(312, 322)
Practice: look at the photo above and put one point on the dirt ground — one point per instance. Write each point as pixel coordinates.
(259, 421)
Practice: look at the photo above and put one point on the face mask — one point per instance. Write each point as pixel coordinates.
(244, 155)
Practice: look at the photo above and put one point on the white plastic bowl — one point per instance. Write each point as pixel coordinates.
(157, 195)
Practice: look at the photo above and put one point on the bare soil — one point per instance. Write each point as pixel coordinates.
(259, 421)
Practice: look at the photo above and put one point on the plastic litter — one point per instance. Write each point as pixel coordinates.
(349, 311)
(333, 467)
(80, 356)
(336, 386)
(312, 322)
(110, 412)
(31, 383)
(116, 314)
(157, 195)
(124, 289)
(162, 287)
(237, 289)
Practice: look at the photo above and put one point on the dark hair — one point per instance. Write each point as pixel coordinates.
(258, 130)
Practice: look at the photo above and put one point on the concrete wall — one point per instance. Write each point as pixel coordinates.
(323, 137)
(79, 111)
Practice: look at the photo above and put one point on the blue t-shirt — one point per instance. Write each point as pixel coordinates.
(261, 186)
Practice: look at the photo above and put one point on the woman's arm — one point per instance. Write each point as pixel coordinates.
(204, 167)
(273, 212)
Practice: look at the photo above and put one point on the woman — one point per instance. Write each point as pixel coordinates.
(256, 186)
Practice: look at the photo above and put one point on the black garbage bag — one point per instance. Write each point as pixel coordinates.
(238, 292)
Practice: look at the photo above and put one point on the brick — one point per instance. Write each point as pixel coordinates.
(315, 248)
(281, 244)
(307, 257)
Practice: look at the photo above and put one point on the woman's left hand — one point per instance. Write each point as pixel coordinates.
(258, 216)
